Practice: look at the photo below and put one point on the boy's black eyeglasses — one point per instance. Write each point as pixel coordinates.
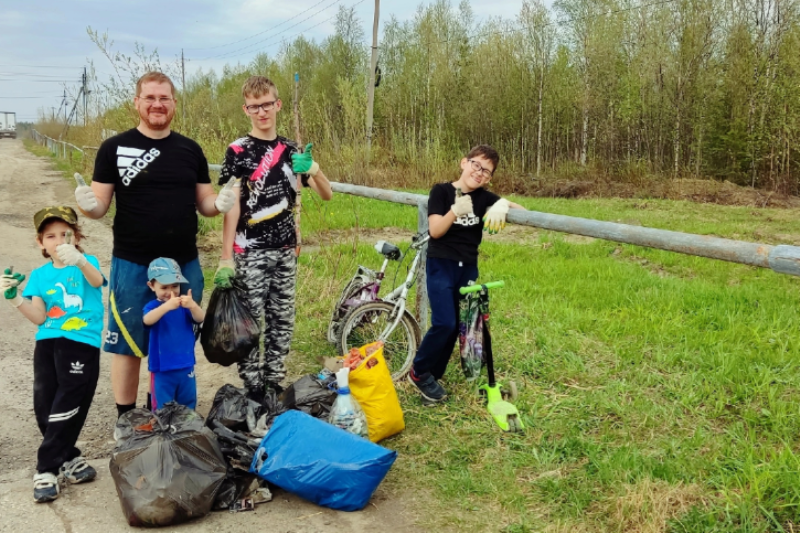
(266, 106)
(478, 168)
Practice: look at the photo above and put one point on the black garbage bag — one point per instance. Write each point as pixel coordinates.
(311, 395)
(230, 408)
(238, 484)
(167, 466)
(229, 331)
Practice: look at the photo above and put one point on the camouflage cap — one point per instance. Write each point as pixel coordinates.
(61, 212)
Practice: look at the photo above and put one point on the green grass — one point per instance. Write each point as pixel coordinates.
(645, 376)
(661, 392)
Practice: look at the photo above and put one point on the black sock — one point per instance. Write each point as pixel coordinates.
(122, 409)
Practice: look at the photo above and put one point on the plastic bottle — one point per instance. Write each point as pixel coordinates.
(346, 413)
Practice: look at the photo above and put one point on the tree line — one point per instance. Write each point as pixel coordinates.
(621, 89)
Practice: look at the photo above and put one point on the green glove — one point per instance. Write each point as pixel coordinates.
(226, 271)
(304, 163)
(9, 281)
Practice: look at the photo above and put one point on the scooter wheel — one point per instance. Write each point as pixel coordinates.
(514, 424)
(510, 393)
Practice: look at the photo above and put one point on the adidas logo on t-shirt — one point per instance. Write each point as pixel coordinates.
(131, 161)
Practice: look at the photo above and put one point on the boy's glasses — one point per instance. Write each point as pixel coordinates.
(478, 168)
(266, 106)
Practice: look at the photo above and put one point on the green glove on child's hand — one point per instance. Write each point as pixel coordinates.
(303, 163)
(9, 282)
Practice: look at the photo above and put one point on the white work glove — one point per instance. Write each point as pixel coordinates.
(463, 206)
(227, 196)
(84, 195)
(68, 254)
(495, 218)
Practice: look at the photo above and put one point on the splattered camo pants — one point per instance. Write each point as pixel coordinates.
(268, 277)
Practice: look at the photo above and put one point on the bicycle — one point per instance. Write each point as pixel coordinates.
(361, 316)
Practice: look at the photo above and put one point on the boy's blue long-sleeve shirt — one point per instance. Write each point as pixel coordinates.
(171, 339)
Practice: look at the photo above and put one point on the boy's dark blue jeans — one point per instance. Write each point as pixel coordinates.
(444, 278)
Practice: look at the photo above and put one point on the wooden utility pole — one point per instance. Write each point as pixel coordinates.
(183, 99)
(84, 96)
(373, 66)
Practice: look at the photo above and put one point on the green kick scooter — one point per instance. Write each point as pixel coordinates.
(476, 345)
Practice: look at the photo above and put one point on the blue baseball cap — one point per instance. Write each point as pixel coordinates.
(166, 271)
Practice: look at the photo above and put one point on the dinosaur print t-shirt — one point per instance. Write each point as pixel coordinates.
(74, 309)
(268, 194)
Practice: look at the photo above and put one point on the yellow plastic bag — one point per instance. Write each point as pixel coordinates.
(371, 384)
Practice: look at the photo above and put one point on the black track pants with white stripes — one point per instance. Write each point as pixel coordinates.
(268, 278)
(65, 376)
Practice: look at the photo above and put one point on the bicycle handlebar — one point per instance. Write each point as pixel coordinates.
(477, 287)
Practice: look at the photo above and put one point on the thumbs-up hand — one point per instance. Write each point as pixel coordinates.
(303, 163)
(9, 282)
(68, 253)
(84, 195)
(187, 301)
(227, 196)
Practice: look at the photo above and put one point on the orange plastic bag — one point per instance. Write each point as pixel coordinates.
(371, 384)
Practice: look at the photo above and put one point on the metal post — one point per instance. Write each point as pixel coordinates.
(371, 89)
(423, 307)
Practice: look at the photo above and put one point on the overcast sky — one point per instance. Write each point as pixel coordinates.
(43, 43)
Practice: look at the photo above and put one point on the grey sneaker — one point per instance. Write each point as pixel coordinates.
(432, 392)
(45, 487)
(77, 471)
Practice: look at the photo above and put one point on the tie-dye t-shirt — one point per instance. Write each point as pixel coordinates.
(74, 309)
(268, 194)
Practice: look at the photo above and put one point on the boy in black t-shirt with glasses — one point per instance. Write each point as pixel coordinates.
(455, 211)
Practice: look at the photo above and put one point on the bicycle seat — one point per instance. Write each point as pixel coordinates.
(389, 250)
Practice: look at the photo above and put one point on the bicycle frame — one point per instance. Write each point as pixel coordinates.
(398, 296)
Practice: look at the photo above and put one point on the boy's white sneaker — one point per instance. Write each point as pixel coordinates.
(45, 487)
(77, 471)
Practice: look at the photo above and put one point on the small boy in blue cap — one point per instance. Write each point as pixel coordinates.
(171, 319)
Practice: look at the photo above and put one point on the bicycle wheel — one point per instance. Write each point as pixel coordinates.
(365, 323)
(339, 311)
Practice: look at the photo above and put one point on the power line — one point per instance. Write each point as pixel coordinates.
(41, 66)
(229, 54)
(261, 32)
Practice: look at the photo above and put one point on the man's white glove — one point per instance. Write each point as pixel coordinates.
(84, 195)
(68, 254)
(495, 218)
(227, 196)
(463, 206)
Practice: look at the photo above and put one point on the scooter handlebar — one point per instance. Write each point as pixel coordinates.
(478, 286)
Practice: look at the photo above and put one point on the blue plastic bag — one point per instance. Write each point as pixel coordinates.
(320, 462)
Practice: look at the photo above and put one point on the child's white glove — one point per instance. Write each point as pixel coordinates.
(463, 206)
(227, 196)
(84, 195)
(495, 218)
(68, 254)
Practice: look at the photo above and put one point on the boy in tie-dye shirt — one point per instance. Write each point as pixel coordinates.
(259, 234)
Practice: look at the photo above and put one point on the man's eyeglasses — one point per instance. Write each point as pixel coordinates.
(266, 106)
(478, 168)
(164, 100)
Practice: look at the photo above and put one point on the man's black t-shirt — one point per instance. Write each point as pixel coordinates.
(268, 192)
(461, 241)
(155, 185)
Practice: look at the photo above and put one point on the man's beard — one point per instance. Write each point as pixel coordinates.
(162, 123)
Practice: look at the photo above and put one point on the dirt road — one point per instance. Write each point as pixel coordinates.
(28, 183)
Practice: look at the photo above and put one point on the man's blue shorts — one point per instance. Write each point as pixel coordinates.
(128, 294)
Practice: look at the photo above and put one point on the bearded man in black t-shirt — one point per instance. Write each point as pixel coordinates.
(160, 181)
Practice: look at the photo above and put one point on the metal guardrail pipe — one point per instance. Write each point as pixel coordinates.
(783, 259)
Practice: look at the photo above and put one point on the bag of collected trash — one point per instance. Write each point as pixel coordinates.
(229, 331)
(321, 463)
(371, 384)
(166, 466)
(237, 485)
(311, 395)
(346, 414)
(472, 310)
(231, 407)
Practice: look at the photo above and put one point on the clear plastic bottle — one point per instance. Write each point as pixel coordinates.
(346, 413)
